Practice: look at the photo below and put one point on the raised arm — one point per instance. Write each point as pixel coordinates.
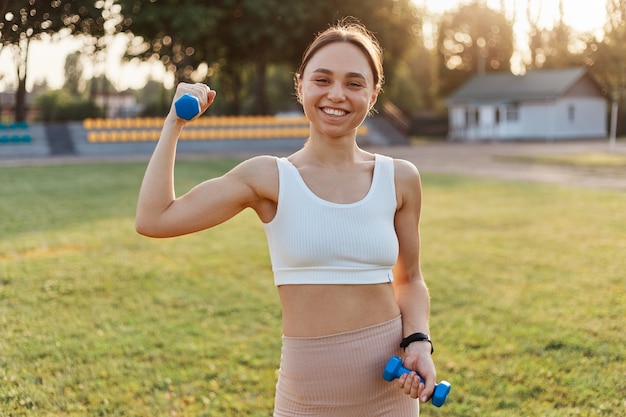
(409, 286)
(161, 214)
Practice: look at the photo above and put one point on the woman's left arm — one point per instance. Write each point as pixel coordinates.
(409, 286)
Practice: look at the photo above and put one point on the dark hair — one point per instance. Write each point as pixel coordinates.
(351, 31)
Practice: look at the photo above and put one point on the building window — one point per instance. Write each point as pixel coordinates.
(471, 116)
(512, 113)
(571, 113)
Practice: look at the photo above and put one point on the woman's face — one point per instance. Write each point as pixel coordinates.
(337, 89)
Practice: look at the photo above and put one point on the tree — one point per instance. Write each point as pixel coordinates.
(616, 13)
(414, 86)
(73, 74)
(155, 99)
(239, 40)
(606, 58)
(24, 21)
(473, 40)
(549, 47)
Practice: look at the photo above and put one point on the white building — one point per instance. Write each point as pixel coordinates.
(545, 104)
(118, 104)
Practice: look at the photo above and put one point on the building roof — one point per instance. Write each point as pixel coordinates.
(507, 87)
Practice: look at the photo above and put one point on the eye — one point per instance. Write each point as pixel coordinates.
(355, 84)
(322, 80)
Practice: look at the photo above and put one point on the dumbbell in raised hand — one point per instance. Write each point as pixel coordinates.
(187, 107)
(394, 369)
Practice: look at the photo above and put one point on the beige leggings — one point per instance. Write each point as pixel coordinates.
(341, 375)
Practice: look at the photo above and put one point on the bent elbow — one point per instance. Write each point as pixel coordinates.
(142, 230)
(154, 229)
(145, 228)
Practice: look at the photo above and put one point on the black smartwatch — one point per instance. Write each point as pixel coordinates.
(417, 337)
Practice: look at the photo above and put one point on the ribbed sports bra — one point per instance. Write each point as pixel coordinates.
(315, 241)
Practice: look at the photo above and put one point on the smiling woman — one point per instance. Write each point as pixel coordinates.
(357, 48)
(335, 98)
(342, 225)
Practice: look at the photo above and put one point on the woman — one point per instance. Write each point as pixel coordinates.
(343, 231)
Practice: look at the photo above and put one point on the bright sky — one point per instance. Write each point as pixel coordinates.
(583, 15)
(47, 58)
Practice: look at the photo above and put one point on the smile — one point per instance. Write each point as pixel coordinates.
(334, 112)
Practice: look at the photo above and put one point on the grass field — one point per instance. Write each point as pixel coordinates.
(527, 284)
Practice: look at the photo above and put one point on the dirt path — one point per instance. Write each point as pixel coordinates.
(486, 159)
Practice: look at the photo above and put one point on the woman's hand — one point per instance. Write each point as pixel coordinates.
(201, 92)
(418, 359)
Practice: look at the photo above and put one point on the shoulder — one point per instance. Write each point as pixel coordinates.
(405, 171)
(256, 166)
(408, 182)
(261, 161)
(260, 173)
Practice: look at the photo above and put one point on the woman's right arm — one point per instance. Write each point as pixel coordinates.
(161, 214)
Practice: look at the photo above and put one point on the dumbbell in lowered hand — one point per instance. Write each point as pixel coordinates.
(187, 107)
(394, 369)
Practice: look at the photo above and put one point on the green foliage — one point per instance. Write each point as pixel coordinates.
(606, 58)
(475, 38)
(526, 283)
(74, 81)
(414, 87)
(549, 48)
(281, 89)
(155, 98)
(61, 106)
(21, 22)
(241, 40)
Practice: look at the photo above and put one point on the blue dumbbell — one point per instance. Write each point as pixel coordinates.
(187, 107)
(394, 369)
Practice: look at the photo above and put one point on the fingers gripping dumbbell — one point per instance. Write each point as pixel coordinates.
(394, 369)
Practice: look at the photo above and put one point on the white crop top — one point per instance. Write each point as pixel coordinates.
(314, 241)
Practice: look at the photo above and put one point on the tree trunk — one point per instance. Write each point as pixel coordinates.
(20, 95)
(20, 101)
(261, 104)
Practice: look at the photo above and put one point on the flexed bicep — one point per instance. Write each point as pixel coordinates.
(211, 202)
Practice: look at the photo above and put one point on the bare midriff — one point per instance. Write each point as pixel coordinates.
(319, 310)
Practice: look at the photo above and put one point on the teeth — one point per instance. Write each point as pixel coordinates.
(334, 112)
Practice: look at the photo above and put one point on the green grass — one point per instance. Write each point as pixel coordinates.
(527, 286)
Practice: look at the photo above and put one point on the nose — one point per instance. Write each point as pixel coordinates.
(336, 92)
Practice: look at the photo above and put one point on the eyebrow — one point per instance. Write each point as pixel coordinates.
(348, 75)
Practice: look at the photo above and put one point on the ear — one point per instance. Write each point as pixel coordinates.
(374, 97)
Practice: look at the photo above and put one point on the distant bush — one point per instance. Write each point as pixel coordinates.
(155, 108)
(60, 106)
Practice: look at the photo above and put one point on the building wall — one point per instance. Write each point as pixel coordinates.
(537, 121)
(585, 87)
(579, 113)
(583, 117)
(566, 118)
